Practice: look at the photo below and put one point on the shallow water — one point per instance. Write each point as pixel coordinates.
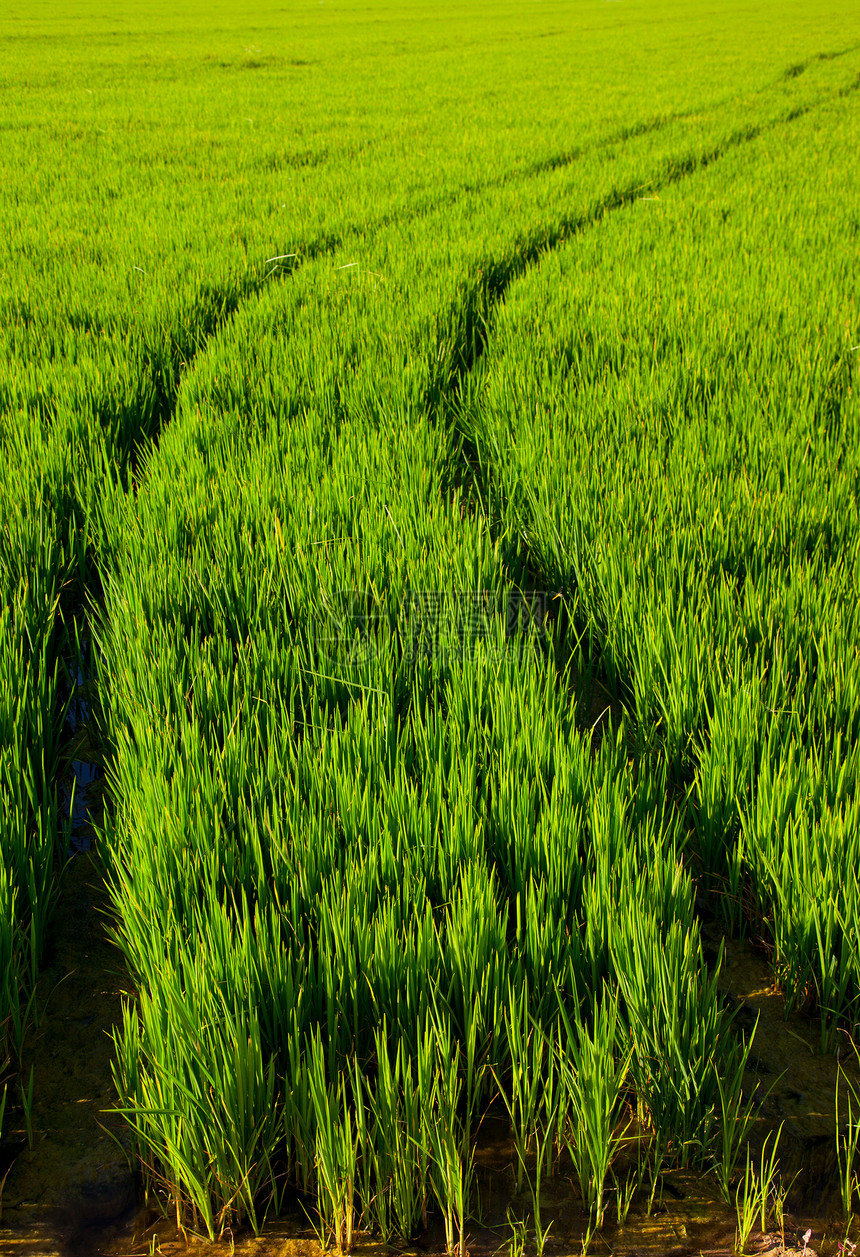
(75, 1189)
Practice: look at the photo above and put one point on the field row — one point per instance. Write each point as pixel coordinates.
(310, 844)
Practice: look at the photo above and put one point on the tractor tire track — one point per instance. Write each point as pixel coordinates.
(469, 474)
(472, 322)
(216, 307)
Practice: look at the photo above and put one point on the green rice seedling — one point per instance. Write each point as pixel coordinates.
(778, 1197)
(10, 960)
(298, 1131)
(541, 1232)
(337, 1150)
(625, 1193)
(736, 1117)
(27, 1107)
(475, 951)
(596, 1073)
(755, 1196)
(528, 1050)
(365, 1186)
(555, 1101)
(537, 1117)
(31, 568)
(519, 1235)
(746, 1210)
(398, 1204)
(585, 1240)
(813, 940)
(449, 1154)
(680, 1032)
(847, 1143)
(657, 1163)
(410, 1197)
(202, 1100)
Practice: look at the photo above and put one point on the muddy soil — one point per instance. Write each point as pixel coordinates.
(75, 1189)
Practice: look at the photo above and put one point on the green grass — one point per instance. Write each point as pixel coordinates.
(709, 447)
(396, 301)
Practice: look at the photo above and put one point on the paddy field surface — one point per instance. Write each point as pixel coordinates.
(429, 633)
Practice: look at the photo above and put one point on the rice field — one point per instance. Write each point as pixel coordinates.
(431, 450)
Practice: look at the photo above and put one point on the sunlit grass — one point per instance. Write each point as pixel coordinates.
(374, 877)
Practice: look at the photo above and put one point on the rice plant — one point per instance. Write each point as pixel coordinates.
(759, 1193)
(847, 1141)
(596, 1064)
(307, 416)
